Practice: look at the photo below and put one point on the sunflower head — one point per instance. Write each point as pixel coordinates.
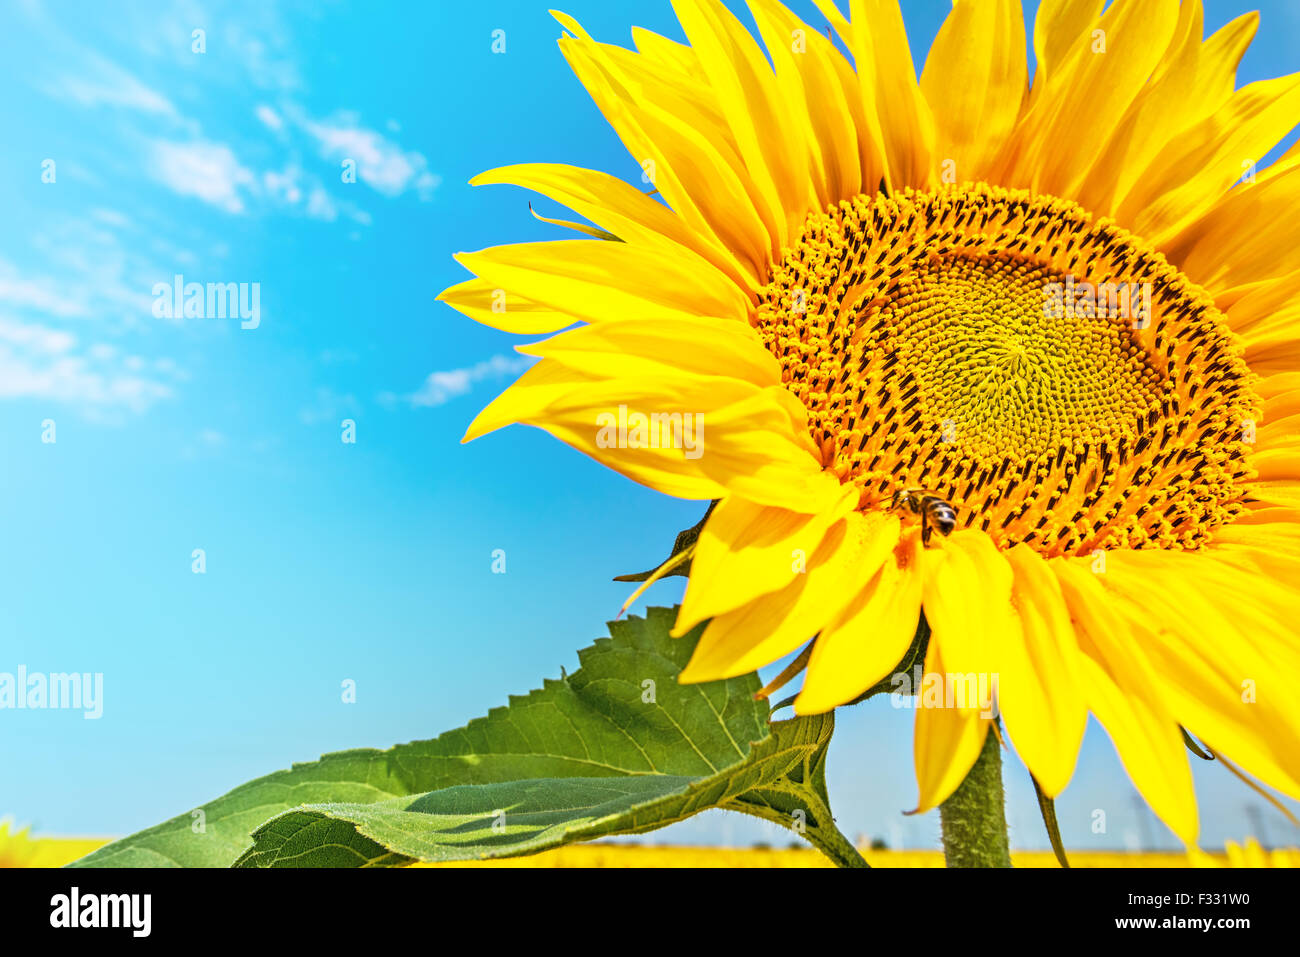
(941, 340)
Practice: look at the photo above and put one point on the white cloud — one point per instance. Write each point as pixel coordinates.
(208, 171)
(104, 83)
(27, 373)
(270, 119)
(283, 185)
(381, 164)
(38, 294)
(441, 387)
(95, 288)
(263, 46)
(36, 338)
(168, 366)
(320, 206)
(110, 217)
(96, 274)
(290, 185)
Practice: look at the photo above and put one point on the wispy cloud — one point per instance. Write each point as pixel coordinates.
(54, 318)
(382, 164)
(328, 406)
(294, 189)
(321, 206)
(37, 338)
(205, 170)
(99, 82)
(43, 363)
(110, 217)
(98, 274)
(213, 173)
(41, 295)
(269, 118)
(254, 40)
(283, 184)
(443, 386)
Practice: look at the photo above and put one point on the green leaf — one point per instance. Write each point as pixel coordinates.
(523, 817)
(617, 747)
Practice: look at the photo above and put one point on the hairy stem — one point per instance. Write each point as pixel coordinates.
(835, 845)
(974, 816)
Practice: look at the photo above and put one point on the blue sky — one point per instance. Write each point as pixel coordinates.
(328, 561)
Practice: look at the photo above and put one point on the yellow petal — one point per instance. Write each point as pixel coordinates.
(483, 302)
(1242, 240)
(1197, 167)
(1277, 464)
(808, 68)
(691, 161)
(698, 437)
(1150, 746)
(1277, 383)
(747, 550)
(968, 601)
(1124, 691)
(642, 347)
(594, 280)
(975, 81)
(767, 629)
(906, 121)
(1047, 152)
(1038, 681)
(619, 207)
(860, 87)
(946, 741)
(1217, 656)
(678, 56)
(1193, 81)
(867, 638)
(773, 147)
(1059, 28)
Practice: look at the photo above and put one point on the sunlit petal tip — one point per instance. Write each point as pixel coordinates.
(694, 674)
(568, 23)
(680, 630)
(480, 427)
(804, 707)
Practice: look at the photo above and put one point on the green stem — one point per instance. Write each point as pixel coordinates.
(831, 842)
(974, 816)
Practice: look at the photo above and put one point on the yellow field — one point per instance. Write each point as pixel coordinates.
(17, 850)
(624, 855)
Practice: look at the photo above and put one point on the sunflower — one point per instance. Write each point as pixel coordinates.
(17, 849)
(1252, 854)
(1055, 318)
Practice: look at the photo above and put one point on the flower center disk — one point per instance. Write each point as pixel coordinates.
(1054, 378)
